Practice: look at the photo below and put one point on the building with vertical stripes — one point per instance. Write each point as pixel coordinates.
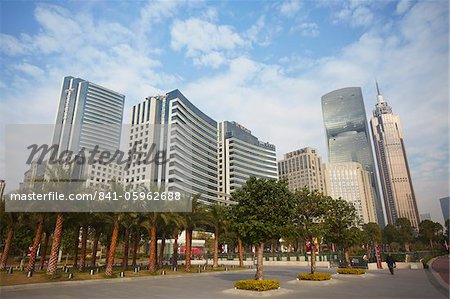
(173, 124)
(302, 168)
(242, 155)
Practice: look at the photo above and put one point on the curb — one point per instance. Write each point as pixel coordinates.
(436, 275)
(109, 280)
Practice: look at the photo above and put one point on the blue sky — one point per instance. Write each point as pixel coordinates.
(264, 64)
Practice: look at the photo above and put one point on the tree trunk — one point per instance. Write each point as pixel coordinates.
(75, 246)
(152, 256)
(44, 250)
(175, 250)
(161, 252)
(431, 244)
(346, 257)
(260, 258)
(112, 249)
(187, 266)
(108, 243)
(126, 245)
(84, 235)
(313, 256)
(8, 242)
(94, 249)
(34, 249)
(216, 249)
(241, 258)
(134, 250)
(56, 243)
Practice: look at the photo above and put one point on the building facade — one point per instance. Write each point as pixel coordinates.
(302, 168)
(351, 182)
(188, 136)
(347, 135)
(242, 155)
(445, 207)
(395, 177)
(89, 117)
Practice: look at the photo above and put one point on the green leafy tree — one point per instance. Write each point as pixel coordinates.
(428, 231)
(263, 208)
(390, 234)
(310, 211)
(217, 218)
(341, 222)
(405, 232)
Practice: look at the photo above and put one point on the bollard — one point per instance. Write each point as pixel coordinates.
(199, 270)
(135, 270)
(10, 270)
(92, 272)
(226, 268)
(22, 269)
(139, 268)
(175, 269)
(97, 270)
(163, 272)
(66, 270)
(30, 274)
(205, 267)
(70, 276)
(122, 274)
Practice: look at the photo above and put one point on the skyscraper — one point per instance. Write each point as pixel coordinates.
(302, 168)
(398, 192)
(348, 138)
(173, 123)
(352, 183)
(242, 155)
(88, 115)
(445, 207)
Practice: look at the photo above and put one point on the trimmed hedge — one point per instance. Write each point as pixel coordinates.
(318, 276)
(351, 271)
(257, 285)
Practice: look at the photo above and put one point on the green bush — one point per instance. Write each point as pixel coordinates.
(425, 261)
(257, 285)
(318, 276)
(352, 271)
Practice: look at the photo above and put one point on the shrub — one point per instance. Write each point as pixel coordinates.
(352, 271)
(318, 276)
(425, 261)
(257, 285)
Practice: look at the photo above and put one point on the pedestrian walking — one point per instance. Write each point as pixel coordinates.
(390, 261)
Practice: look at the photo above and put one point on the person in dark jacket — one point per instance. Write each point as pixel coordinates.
(391, 263)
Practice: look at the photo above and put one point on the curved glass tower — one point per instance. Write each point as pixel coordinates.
(348, 138)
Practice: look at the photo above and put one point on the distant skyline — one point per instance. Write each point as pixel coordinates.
(262, 64)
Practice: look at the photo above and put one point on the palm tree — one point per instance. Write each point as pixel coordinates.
(112, 247)
(37, 240)
(218, 220)
(56, 243)
(10, 221)
(193, 220)
(150, 225)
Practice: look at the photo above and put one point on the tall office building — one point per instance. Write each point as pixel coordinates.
(398, 192)
(348, 138)
(351, 182)
(445, 207)
(242, 155)
(89, 115)
(2, 188)
(302, 168)
(172, 123)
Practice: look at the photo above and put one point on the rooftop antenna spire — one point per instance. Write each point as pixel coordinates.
(378, 88)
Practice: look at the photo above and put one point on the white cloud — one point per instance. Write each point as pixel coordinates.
(10, 45)
(205, 42)
(403, 6)
(30, 69)
(290, 7)
(356, 13)
(307, 29)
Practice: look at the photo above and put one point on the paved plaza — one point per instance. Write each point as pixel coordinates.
(375, 284)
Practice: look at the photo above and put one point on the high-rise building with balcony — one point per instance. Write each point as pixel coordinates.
(302, 168)
(173, 124)
(348, 138)
(395, 177)
(242, 155)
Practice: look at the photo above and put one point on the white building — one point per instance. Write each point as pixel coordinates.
(351, 182)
